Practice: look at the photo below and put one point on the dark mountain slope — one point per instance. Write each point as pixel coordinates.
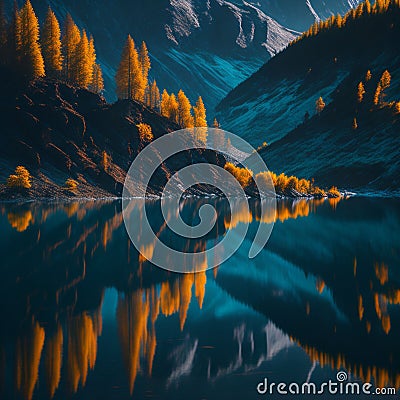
(60, 132)
(328, 149)
(274, 100)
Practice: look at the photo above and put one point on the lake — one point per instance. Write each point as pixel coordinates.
(84, 316)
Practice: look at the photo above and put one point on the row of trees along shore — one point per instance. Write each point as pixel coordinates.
(69, 54)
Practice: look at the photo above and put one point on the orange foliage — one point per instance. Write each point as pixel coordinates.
(242, 175)
(53, 361)
(21, 179)
(28, 354)
(20, 220)
(145, 132)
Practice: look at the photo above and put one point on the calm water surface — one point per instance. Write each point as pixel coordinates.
(83, 316)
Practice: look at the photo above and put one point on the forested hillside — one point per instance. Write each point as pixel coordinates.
(329, 104)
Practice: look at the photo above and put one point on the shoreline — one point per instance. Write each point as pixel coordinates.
(43, 200)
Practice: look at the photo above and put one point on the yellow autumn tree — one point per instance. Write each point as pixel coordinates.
(338, 21)
(154, 96)
(199, 110)
(144, 61)
(215, 123)
(383, 84)
(385, 80)
(91, 55)
(31, 53)
(367, 6)
(185, 118)
(129, 77)
(70, 40)
(368, 76)
(242, 175)
(21, 179)
(360, 92)
(97, 85)
(377, 95)
(173, 106)
(164, 105)
(359, 10)
(51, 45)
(145, 132)
(82, 69)
(319, 105)
(169, 106)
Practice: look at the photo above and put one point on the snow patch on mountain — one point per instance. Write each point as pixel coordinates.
(313, 12)
(184, 19)
(278, 37)
(353, 3)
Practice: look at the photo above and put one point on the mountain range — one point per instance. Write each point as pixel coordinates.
(204, 47)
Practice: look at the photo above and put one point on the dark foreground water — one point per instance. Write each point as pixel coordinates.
(83, 316)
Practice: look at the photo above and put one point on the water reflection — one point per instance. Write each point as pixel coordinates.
(327, 284)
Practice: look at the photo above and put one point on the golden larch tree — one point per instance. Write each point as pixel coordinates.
(51, 45)
(185, 118)
(359, 10)
(319, 105)
(383, 84)
(129, 77)
(360, 92)
(31, 53)
(338, 21)
(377, 95)
(82, 70)
(216, 123)
(199, 110)
(144, 61)
(368, 76)
(153, 96)
(173, 107)
(97, 85)
(91, 55)
(164, 105)
(145, 132)
(367, 6)
(71, 38)
(385, 80)
(147, 96)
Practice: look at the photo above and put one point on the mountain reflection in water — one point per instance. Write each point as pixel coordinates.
(85, 315)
